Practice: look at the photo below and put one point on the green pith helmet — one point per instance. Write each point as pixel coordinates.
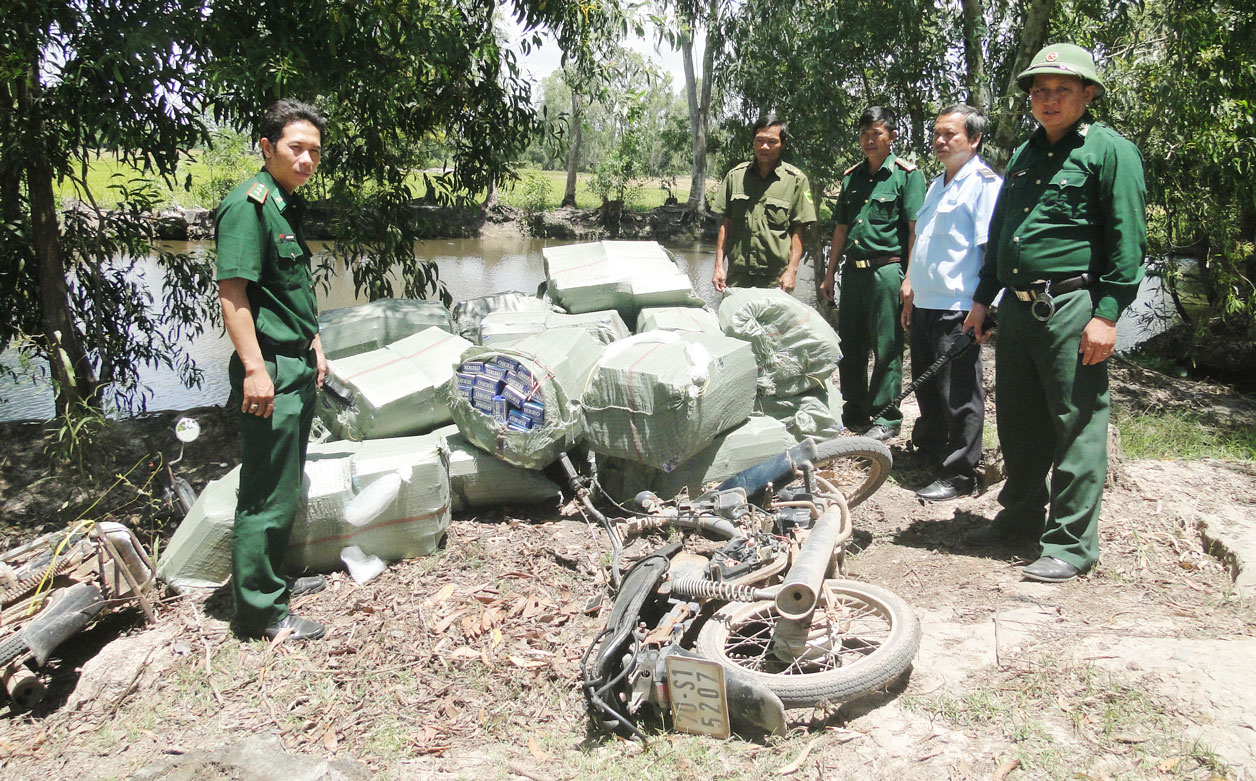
(1061, 58)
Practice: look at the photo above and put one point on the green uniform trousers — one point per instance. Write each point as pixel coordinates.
(272, 470)
(868, 321)
(1053, 418)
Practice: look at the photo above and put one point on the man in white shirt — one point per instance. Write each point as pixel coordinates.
(937, 295)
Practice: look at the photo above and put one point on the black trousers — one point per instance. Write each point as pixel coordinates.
(952, 403)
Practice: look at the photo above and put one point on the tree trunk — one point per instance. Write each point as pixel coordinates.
(1033, 36)
(699, 108)
(491, 197)
(975, 34)
(573, 151)
(72, 373)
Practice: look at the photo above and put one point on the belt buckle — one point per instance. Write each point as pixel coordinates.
(863, 263)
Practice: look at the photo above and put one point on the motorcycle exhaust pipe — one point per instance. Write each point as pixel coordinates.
(799, 593)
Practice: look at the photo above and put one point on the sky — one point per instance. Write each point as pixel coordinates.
(544, 61)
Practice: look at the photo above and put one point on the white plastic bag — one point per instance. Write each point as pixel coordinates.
(366, 506)
(362, 568)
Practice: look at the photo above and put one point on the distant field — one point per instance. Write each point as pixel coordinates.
(106, 171)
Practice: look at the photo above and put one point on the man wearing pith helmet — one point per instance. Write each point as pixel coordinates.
(1066, 243)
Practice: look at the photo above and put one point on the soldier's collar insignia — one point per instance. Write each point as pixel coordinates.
(1083, 129)
(279, 201)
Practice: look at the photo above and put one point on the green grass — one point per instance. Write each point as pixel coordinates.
(106, 170)
(1184, 434)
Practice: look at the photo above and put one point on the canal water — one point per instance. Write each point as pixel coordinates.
(469, 268)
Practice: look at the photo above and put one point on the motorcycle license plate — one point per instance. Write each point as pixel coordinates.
(699, 700)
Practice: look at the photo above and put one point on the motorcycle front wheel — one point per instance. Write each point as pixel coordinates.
(861, 639)
(855, 465)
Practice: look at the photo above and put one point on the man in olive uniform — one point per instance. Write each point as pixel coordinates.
(1067, 241)
(766, 204)
(268, 308)
(876, 224)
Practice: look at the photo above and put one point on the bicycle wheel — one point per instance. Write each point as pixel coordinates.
(856, 465)
(863, 639)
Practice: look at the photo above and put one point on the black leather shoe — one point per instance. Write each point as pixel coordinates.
(310, 584)
(302, 628)
(881, 433)
(1049, 569)
(947, 488)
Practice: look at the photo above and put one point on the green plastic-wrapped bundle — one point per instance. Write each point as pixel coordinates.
(359, 329)
(502, 329)
(395, 391)
(661, 396)
(522, 403)
(756, 440)
(627, 276)
(678, 318)
(816, 414)
(796, 348)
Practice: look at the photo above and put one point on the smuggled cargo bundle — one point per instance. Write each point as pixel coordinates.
(522, 403)
(502, 329)
(468, 314)
(627, 276)
(678, 318)
(388, 497)
(661, 396)
(816, 414)
(756, 440)
(359, 329)
(478, 479)
(394, 391)
(796, 348)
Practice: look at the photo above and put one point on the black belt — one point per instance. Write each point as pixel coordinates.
(877, 262)
(1052, 287)
(287, 349)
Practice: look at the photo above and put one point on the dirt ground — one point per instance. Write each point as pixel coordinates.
(465, 664)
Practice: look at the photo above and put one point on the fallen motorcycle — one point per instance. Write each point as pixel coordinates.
(724, 629)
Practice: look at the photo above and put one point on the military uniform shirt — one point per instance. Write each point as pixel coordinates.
(763, 212)
(876, 207)
(258, 230)
(1066, 209)
(950, 231)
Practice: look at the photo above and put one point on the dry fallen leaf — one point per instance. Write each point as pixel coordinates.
(536, 751)
(526, 664)
(329, 739)
(792, 767)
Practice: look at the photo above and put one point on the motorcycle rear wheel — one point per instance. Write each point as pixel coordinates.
(856, 465)
(864, 639)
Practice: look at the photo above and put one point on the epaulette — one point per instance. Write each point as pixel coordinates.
(851, 170)
(987, 173)
(258, 193)
(906, 165)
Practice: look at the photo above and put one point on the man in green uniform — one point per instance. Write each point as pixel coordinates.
(766, 205)
(876, 226)
(1067, 241)
(268, 307)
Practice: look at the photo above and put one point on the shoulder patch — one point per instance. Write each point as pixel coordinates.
(906, 165)
(851, 170)
(258, 192)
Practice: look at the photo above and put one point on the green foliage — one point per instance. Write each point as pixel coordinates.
(75, 440)
(400, 81)
(228, 160)
(533, 193)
